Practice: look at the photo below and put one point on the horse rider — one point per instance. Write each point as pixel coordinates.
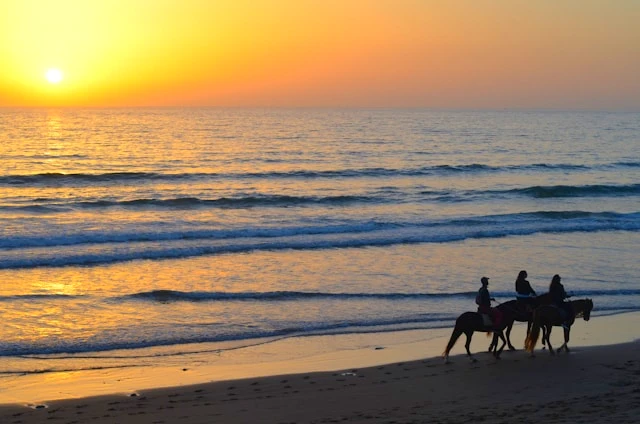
(483, 299)
(525, 295)
(558, 295)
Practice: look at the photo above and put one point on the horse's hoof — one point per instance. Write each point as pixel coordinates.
(511, 348)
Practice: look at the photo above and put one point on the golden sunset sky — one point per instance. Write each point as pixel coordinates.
(558, 54)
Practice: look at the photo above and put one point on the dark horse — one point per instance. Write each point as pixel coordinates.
(521, 314)
(469, 322)
(547, 316)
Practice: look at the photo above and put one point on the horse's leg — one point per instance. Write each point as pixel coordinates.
(494, 343)
(509, 327)
(469, 334)
(548, 331)
(544, 337)
(504, 342)
(566, 340)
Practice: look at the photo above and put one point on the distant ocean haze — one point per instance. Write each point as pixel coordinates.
(133, 228)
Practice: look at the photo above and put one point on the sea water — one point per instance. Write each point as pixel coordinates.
(128, 229)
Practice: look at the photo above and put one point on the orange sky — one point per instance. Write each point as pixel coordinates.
(568, 54)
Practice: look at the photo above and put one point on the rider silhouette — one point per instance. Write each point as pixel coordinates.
(484, 302)
(558, 295)
(525, 295)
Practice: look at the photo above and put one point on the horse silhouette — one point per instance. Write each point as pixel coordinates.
(521, 314)
(469, 322)
(548, 316)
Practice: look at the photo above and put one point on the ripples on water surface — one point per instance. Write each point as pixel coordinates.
(149, 227)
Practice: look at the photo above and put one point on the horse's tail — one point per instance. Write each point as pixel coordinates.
(454, 337)
(534, 333)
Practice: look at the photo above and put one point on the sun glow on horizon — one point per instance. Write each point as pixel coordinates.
(54, 75)
(387, 53)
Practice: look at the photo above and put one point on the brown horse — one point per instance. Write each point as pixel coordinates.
(547, 316)
(469, 322)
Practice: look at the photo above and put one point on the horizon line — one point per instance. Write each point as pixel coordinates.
(426, 108)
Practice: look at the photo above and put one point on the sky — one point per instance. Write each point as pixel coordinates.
(451, 54)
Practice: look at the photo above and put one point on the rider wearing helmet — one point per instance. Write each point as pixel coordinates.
(483, 299)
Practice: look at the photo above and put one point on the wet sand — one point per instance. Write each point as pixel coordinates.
(591, 384)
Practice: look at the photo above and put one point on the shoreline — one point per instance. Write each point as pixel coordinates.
(592, 384)
(289, 357)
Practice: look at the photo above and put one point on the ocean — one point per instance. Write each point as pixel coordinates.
(129, 229)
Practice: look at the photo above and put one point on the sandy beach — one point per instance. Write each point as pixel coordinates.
(590, 384)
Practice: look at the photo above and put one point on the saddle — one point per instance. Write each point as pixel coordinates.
(486, 320)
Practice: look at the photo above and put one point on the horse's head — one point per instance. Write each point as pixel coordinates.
(588, 306)
(582, 308)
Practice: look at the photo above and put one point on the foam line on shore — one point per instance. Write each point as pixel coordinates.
(289, 356)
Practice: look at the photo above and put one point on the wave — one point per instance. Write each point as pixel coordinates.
(103, 248)
(70, 239)
(226, 202)
(48, 205)
(573, 220)
(185, 203)
(302, 329)
(596, 190)
(506, 224)
(58, 179)
(43, 297)
(246, 334)
(34, 209)
(284, 296)
(627, 164)
(165, 296)
(198, 296)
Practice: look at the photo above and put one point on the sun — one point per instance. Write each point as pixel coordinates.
(54, 76)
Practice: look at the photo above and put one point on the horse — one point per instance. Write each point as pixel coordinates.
(469, 322)
(547, 316)
(520, 314)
